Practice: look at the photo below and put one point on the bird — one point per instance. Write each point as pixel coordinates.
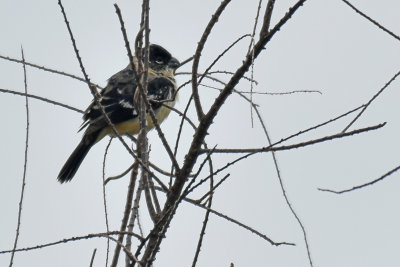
(118, 102)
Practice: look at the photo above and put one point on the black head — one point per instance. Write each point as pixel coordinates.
(161, 60)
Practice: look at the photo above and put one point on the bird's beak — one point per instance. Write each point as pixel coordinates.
(173, 63)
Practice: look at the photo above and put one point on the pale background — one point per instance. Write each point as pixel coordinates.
(326, 47)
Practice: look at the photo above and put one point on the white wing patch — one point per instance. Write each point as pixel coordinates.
(125, 104)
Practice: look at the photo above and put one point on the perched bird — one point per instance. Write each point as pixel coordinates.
(118, 101)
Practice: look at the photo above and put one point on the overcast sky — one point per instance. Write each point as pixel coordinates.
(325, 47)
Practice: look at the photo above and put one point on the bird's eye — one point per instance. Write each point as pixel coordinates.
(159, 61)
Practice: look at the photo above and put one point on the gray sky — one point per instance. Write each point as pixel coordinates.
(325, 47)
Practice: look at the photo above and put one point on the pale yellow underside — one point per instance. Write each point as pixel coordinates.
(133, 126)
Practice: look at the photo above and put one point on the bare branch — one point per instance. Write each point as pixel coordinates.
(302, 144)
(48, 69)
(283, 189)
(41, 99)
(77, 238)
(133, 216)
(206, 216)
(185, 61)
(92, 259)
(207, 71)
(225, 217)
(363, 185)
(127, 210)
(196, 59)
(267, 18)
(281, 93)
(25, 163)
(371, 100)
(212, 190)
(372, 20)
(105, 199)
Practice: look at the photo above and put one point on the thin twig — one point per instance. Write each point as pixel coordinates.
(206, 216)
(285, 195)
(154, 196)
(371, 100)
(104, 197)
(152, 165)
(263, 236)
(168, 214)
(76, 49)
(210, 73)
(285, 139)
(72, 239)
(254, 26)
(212, 190)
(189, 188)
(92, 258)
(191, 123)
(186, 61)
(207, 71)
(178, 136)
(298, 145)
(371, 20)
(251, 49)
(317, 126)
(133, 215)
(41, 99)
(25, 163)
(119, 175)
(128, 205)
(226, 217)
(48, 70)
(196, 59)
(362, 185)
(281, 93)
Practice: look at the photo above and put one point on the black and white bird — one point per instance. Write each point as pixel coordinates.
(118, 101)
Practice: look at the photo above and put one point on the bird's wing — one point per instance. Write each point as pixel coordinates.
(117, 99)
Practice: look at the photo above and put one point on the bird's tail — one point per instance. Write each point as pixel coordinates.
(74, 161)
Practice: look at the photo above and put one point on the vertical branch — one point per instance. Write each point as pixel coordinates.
(134, 212)
(105, 199)
(178, 137)
(25, 162)
(251, 48)
(267, 18)
(278, 172)
(196, 59)
(128, 205)
(92, 258)
(143, 147)
(205, 222)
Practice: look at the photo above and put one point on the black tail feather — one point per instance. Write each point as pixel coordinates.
(74, 161)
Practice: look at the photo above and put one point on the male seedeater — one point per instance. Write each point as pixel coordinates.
(117, 99)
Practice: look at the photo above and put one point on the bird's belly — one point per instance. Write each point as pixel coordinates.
(133, 126)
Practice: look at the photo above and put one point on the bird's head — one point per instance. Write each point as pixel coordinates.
(161, 61)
